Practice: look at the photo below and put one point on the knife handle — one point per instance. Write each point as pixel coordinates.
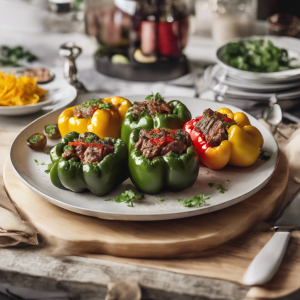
(267, 261)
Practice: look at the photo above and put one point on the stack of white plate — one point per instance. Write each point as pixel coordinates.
(225, 82)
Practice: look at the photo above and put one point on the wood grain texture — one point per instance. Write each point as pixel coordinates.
(161, 239)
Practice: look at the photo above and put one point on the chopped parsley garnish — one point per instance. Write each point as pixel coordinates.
(68, 148)
(162, 200)
(157, 96)
(218, 186)
(36, 161)
(128, 197)
(197, 201)
(47, 171)
(103, 105)
(263, 156)
(43, 164)
(97, 103)
(50, 129)
(35, 138)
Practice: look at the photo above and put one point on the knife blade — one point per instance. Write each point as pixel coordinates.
(267, 261)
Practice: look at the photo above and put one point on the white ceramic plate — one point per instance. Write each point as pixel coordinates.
(257, 75)
(244, 182)
(60, 94)
(221, 76)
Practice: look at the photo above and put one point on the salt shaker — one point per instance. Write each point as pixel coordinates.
(71, 51)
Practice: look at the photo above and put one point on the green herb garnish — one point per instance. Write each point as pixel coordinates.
(197, 201)
(162, 200)
(11, 56)
(157, 96)
(50, 129)
(263, 156)
(34, 139)
(43, 164)
(128, 197)
(103, 105)
(218, 186)
(36, 161)
(68, 148)
(256, 55)
(97, 102)
(47, 171)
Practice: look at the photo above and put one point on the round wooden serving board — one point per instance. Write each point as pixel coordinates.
(157, 239)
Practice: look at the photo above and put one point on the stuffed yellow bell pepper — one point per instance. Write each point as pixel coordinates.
(222, 137)
(103, 117)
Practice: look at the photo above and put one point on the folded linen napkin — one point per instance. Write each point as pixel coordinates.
(13, 230)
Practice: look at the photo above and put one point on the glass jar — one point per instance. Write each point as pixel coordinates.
(232, 19)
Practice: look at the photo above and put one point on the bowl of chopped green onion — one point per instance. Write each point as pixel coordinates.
(258, 58)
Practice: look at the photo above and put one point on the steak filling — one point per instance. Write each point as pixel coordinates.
(88, 148)
(214, 126)
(160, 142)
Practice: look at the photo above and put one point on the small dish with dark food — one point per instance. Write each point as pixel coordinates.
(162, 158)
(85, 161)
(222, 137)
(154, 112)
(52, 132)
(37, 141)
(42, 75)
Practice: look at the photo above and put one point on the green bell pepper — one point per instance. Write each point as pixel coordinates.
(100, 178)
(175, 172)
(180, 116)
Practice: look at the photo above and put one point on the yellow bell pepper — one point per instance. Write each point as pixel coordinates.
(241, 149)
(104, 122)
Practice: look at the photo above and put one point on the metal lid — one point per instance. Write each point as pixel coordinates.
(61, 6)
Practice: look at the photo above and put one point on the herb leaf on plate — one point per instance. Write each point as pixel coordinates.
(218, 186)
(197, 201)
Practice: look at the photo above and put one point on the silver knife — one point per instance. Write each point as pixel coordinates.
(267, 261)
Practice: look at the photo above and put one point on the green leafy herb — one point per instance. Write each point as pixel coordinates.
(157, 96)
(50, 129)
(103, 105)
(263, 156)
(47, 171)
(218, 186)
(36, 161)
(43, 164)
(97, 102)
(256, 55)
(128, 197)
(196, 201)
(162, 200)
(35, 138)
(68, 148)
(11, 56)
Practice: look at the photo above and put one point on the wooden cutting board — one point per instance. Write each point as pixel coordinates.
(158, 239)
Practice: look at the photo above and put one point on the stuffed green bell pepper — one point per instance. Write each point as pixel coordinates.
(85, 161)
(152, 113)
(162, 158)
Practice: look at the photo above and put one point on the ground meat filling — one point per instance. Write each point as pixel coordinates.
(152, 107)
(160, 142)
(213, 127)
(88, 108)
(84, 112)
(88, 150)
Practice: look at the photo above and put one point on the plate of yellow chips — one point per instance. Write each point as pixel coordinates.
(21, 95)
